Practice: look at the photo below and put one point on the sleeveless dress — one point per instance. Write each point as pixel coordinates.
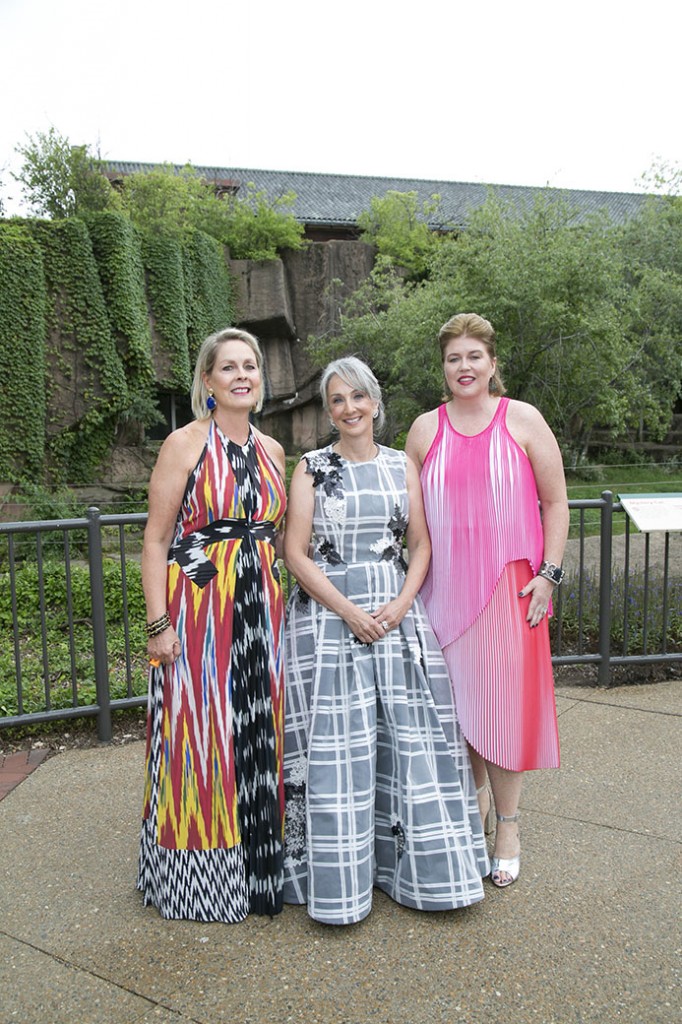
(211, 843)
(481, 505)
(378, 785)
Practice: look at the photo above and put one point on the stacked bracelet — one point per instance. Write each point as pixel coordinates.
(157, 627)
(553, 573)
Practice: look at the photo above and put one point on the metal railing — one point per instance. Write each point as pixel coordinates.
(94, 525)
(625, 635)
(643, 582)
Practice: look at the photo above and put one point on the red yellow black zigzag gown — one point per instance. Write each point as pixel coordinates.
(211, 844)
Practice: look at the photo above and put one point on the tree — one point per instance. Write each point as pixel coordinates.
(257, 228)
(399, 229)
(556, 290)
(663, 178)
(163, 200)
(250, 225)
(652, 244)
(60, 180)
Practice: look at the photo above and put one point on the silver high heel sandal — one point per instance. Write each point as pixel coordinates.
(509, 866)
(488, 820)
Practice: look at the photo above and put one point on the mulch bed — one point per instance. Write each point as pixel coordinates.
(75, 734)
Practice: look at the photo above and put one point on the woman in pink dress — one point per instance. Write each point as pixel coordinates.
(496, 507)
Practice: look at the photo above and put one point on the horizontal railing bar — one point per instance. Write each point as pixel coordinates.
(93, 524)
(44, 526)
(56, 715)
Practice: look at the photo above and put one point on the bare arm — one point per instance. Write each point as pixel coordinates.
(420, 437)
(166, 490)
(310, 576)
(533, 433)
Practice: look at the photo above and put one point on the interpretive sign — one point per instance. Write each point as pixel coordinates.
(651, 512)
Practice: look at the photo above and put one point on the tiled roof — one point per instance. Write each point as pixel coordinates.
(338, 199)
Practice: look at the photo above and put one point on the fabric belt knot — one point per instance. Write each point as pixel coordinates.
(189, 552)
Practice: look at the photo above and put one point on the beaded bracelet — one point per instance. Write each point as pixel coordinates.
(158, 626)
(553, 573)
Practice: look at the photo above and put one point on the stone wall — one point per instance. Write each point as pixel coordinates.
(283, 302)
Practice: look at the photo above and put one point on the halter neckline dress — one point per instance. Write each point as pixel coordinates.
(211, 843)
(481, 505)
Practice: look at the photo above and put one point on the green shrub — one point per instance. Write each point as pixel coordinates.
(52, 686)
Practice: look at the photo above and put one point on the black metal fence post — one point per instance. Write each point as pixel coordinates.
(99, 625)
(605, 564)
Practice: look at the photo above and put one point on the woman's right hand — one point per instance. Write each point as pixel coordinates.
(164, 649)
(364, 627)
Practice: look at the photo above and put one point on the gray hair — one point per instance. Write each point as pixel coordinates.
(206, 361)
(355, 374)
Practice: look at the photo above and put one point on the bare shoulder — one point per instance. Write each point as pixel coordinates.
(523, 413)
(533, 434)
(274, 450)
(526, 423)
(420, 436)
(183, 446)
(427, 421)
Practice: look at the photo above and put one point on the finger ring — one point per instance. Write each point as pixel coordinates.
(385, 624)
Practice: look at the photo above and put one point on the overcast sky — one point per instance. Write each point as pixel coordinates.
(579, 95)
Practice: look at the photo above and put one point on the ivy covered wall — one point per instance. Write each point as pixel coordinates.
(23, 305)
(92, 317)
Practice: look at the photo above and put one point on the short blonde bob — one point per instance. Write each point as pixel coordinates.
(206, 361)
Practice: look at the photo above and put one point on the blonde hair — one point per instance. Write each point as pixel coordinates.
(206, 358)
(471, 325)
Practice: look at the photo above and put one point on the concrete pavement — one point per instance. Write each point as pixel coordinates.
(590, 933)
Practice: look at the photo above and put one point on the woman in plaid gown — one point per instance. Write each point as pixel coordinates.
(378, 786)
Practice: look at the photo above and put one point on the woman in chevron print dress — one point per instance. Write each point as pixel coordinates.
(211, 845)
(378, 785)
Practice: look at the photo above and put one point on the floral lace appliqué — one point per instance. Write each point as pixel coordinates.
(325, 469)
(295, 814)
(329, 553)
(335, 509)
(398, 830)
(390, 546)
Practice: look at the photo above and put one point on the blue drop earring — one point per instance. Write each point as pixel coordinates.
(210, 401)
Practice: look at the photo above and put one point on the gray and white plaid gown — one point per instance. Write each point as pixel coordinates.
(378, 785)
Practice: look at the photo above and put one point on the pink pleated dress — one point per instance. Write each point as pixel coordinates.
(482, 510)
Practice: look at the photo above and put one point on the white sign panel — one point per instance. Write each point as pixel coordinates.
(650, 512)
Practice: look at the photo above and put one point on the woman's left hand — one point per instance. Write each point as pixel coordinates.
(391, 614)
(541, 592)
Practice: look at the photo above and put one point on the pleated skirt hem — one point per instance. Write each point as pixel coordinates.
(502, 679)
